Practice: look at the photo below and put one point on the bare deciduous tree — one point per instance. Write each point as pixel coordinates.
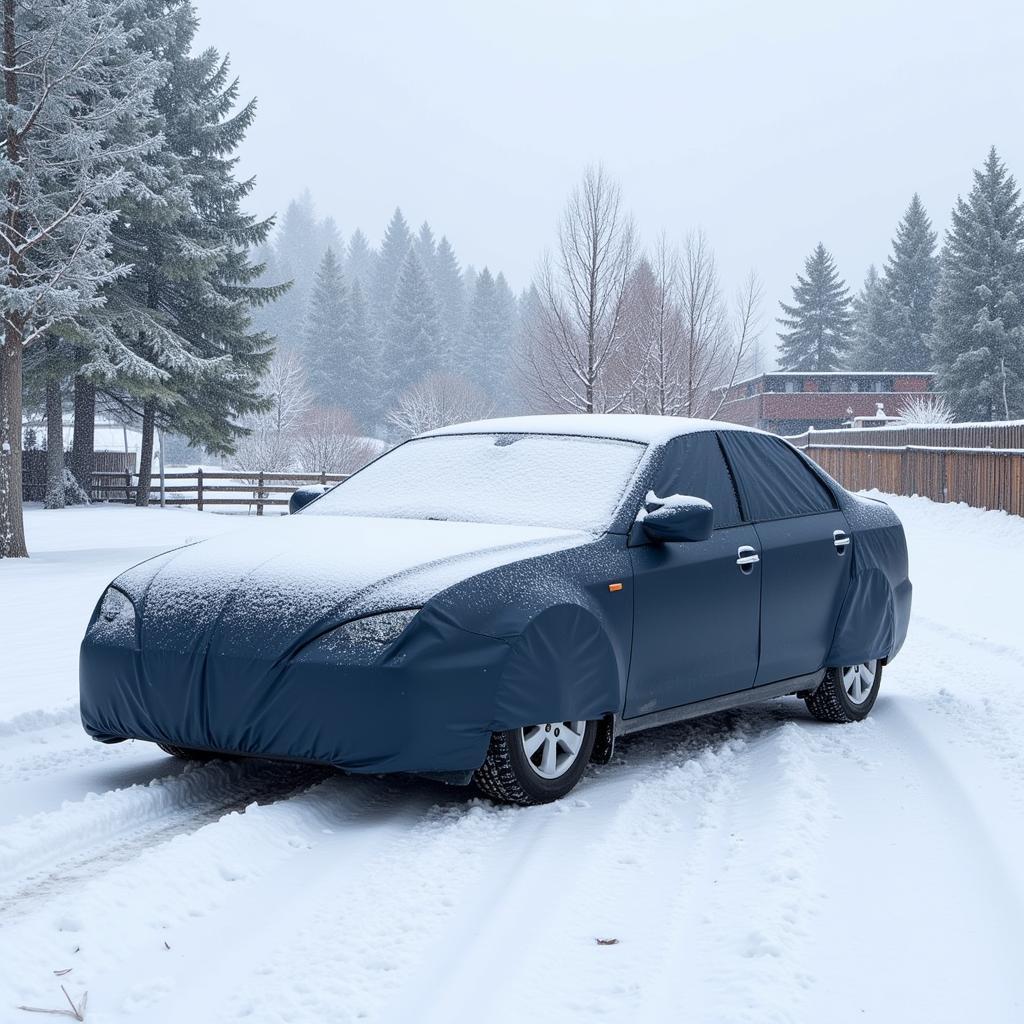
(706, 337)
(437, 401)
(682, 346)
(270, 442)
(649, 361)
(745, 330)
(328, 441)
(577, 326)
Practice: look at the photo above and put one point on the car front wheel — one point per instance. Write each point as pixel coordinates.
(536, 764)
(846, 694)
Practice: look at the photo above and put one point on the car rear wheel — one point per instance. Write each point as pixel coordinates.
(185, 753)
(846, 694)
(536, 764)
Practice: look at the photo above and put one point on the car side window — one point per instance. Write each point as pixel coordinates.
(774, 480)
(693, 464)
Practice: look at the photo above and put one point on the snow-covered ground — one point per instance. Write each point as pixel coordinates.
(755, 866)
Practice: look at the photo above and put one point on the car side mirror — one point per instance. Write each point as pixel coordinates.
(303, 496)
(685, 519)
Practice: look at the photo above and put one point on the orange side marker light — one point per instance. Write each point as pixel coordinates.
(613, 587)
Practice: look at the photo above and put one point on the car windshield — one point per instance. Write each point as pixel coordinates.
(521, 479)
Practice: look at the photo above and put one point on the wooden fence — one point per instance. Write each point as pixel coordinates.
(33, 469)
(205, 488)
(946, 435)
(983, 477)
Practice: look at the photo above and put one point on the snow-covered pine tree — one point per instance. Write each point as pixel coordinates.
(818, 322)
(363, 364)
(214, 309)
(359, 261)
(183, 311)
(413, 334)
(388, 267)
(869, 342)
(327, 337)
(451, 298)
(978, 342)
(329, 237)
(137, 354)
(301, 239)
(911, 280)
(298, 248)
(482, 329)
(529, 314)
(78, 100)
(426, 248)
(500, 366)
(490, 333)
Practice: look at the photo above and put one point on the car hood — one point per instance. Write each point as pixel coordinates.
(259, 594)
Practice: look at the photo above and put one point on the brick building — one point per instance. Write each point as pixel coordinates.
(790, 402)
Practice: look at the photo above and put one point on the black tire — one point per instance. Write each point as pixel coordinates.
(508, 776)
(185, 754)
(831, 703)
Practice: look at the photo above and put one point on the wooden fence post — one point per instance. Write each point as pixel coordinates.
(259, 495)
(127, 486)
(199, 489)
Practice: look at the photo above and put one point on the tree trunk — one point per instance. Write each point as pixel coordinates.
(12, 524)
(54, 434)
(83, 445)
(146, 454)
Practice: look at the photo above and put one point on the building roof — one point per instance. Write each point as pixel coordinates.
(622, 427)
(827, 373)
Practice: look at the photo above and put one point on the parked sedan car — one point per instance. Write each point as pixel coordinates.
(499, 601)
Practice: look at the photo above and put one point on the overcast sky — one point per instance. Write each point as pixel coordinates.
(770, 125)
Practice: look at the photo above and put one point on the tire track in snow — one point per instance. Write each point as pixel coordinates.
(346, 955)
(753, 941)
(234, 942)
(1010, 652)
(42, 769)
(636, 824)
(672, 879)
(43, 855)
(528, 871)
(970, 696)
(107, 921)
(905, 884)
(999, 882)
(454, 880)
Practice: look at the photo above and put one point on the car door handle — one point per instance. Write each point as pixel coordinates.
(746, 556)
(841, 540)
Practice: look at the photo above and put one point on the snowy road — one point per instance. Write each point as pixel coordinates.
(755, 866)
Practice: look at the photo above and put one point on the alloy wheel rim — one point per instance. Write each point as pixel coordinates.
(552, 748)
(859, 681)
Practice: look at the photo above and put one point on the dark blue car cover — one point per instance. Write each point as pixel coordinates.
(225, 646)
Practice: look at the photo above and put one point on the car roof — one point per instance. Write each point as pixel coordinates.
(621, 427)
